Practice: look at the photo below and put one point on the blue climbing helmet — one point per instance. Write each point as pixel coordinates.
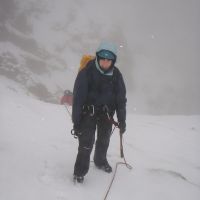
(107, 50)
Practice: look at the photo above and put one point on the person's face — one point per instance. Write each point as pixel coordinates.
(105, 63)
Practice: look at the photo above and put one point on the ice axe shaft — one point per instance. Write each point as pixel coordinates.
(121, 146)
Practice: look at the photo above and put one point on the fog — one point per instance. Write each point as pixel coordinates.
(158, 54)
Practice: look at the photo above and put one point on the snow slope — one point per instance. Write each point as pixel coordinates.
(37, 154)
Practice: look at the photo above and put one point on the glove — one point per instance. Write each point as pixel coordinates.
(76, 131)
(122, 127)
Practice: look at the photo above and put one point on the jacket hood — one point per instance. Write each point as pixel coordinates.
(107, 46)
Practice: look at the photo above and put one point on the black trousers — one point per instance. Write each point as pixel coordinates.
(86, 141)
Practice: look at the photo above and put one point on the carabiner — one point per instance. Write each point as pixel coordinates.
(92, 114)
(73, 133)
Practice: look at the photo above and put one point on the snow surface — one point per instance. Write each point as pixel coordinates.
(37, 155)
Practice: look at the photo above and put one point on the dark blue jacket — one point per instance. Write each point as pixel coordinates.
(94, 88)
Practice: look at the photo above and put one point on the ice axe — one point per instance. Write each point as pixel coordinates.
(121, 146)
(121, 139)
(116, 125)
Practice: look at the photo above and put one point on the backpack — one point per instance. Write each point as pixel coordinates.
(84, 61)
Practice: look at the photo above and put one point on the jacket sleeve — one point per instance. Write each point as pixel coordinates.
(79, 95)
(121, 99)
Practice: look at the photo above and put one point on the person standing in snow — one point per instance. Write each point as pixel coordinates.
(99, 91)
(67, 98)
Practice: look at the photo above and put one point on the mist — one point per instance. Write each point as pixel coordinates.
(42, 41)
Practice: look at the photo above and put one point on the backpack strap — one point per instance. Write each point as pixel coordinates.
(115, 78)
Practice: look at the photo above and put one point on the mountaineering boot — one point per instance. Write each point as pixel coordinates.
(78, 179)
(105, 167)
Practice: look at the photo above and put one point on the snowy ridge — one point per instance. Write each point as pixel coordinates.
(37, 154)
(43, 78)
